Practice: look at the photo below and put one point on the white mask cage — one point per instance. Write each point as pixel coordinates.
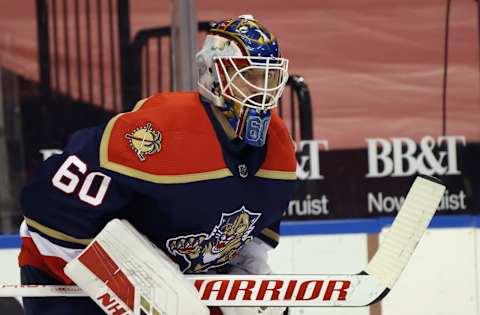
(255, 82)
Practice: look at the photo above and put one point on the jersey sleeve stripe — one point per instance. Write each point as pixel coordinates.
(44, 255)
(29, 256)
(271, 234)
(47, 248)
(56, 234)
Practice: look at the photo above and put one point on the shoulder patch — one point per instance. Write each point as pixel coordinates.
(280, 162)
(167, 138)
(145, 141)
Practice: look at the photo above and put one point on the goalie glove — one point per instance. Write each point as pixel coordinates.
(252, 259)
(124, 273)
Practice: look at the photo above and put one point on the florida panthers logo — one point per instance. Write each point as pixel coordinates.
(145, 141)
(206, 251)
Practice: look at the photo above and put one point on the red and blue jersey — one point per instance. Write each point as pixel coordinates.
(169, 169)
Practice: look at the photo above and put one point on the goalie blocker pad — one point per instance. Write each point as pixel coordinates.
(124, 273)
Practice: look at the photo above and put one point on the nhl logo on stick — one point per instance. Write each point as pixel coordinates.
(145, 141)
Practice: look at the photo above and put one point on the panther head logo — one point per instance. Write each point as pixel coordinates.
(206, 251)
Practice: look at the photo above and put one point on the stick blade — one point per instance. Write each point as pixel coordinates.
(406, 231)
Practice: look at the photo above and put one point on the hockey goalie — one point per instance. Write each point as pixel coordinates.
(204, 175)
(185, 193)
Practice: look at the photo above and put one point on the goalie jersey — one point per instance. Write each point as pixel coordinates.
(169, 169)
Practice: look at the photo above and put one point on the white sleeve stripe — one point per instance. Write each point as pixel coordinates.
(47, 248)
(24, 229)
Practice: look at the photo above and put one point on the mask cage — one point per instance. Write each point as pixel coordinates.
(263, 96)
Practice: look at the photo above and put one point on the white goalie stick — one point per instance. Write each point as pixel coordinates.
(349, 290)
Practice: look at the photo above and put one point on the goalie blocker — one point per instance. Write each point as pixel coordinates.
(124, 273)
(126, 279)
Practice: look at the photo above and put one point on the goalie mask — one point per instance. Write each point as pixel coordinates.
(242, 73)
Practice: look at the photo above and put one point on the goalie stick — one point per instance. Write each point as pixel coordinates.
(365, 288)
